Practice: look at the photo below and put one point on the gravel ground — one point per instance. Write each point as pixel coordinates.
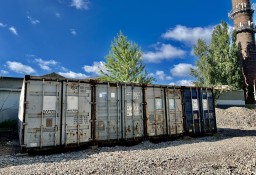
(231, 151)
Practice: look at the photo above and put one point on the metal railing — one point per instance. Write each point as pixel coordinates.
(246, 27)
(232, 13)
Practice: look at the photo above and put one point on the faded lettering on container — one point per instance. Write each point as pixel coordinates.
(195, 105)
(49, 105)
(72, 103)
(135, 110)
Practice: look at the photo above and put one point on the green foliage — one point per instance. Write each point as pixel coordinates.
(219, 62)
(124, 63)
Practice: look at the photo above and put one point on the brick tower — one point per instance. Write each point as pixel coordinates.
(243, 21)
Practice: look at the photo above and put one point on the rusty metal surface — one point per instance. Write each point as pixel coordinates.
(108, 112)
(174, 111)
(132, 112)
(76, 114)
(155, 111)
(42, 109)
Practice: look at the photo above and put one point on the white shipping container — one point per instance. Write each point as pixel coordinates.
(76, 113)
(39, 113)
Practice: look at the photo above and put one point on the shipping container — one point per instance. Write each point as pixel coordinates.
(132, 112)
(174, 108)
(208, 111)
(108, 112)
(155, 111)
(76, 112)
(39, 114)
(191, 98)
(55, 111)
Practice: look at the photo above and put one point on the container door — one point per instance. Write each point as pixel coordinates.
(76, 115)
(133, 112)
(174, 111)
(192, 110)
(156, 125)
(208, 119)
(108, 113)
(42, 114)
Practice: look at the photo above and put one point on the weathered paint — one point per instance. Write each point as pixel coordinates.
(192, 110)
(132, 112)
(108, 112)
(155, 111)
(174, 111)
(41, 114)
(208, 114)
(76, 114)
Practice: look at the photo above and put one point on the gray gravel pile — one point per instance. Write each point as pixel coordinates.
(236, 117)
(231, 151)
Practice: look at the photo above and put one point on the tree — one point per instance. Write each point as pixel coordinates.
(219, 62)
(124, 63)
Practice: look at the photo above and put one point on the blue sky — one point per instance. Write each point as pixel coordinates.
(72, 37)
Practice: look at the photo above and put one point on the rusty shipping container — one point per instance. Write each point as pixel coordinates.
(175, 123)
(132, 112)
(39, 113)
(200, 117)
(155, 111)
(208, 111)
(76, 112)
(191, 97)
(108, 112)
(56, 111)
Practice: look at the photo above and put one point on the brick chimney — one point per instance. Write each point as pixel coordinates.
(242, 15)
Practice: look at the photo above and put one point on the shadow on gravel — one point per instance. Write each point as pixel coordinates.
(83, 153)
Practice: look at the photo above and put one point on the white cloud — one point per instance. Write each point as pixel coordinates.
(71, 74)
(182, 83)
(2, 25)
(33, 21)
(163, 52)
(189, 35)
(80, 4)
(73, 32)
(162, 76)
(13, 30)
(19, 67)
(3, 72)
(45, 65)
(95, 69)
(182, 70)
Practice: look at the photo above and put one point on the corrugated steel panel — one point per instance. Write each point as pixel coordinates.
(192, 109)
(174, 111)
(108, 112)
(41, 115)
(132, 112)
(155, 111)
(208, 111)
(76, 115)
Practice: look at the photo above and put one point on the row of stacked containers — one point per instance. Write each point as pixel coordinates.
(57, 112)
